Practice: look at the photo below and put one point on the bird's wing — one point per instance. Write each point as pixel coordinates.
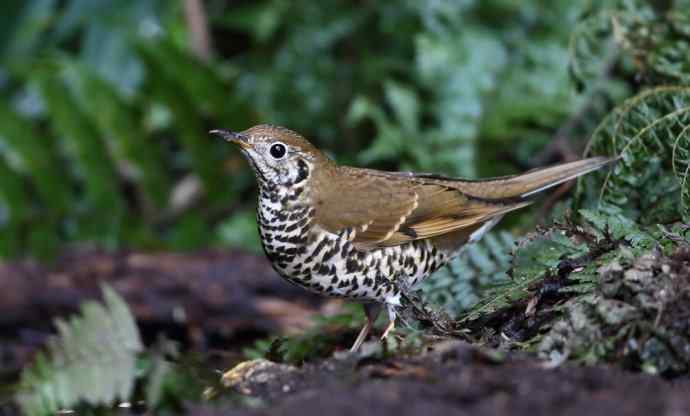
(372, 207)
(441, 210)
(387, 211)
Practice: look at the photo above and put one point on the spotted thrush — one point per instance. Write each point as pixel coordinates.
(365, 234)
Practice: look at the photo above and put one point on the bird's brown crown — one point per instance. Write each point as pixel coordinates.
(269, 132)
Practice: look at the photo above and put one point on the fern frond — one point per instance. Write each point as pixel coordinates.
(481, 265)
(534, 257)
(91, 360)
(651, 133)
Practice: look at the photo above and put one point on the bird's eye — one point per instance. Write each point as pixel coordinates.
(277, 150)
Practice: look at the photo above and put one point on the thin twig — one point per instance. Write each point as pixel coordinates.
(195, 16)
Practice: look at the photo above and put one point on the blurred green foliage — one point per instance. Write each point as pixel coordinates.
(103, 136)
(105, 105)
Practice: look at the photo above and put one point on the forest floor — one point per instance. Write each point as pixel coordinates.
(218, 303)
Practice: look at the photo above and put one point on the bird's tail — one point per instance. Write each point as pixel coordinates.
(527, 184)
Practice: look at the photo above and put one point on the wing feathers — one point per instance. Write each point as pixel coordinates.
(387, 209)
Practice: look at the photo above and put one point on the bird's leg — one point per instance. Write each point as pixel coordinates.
(391, 321)
(371, 310)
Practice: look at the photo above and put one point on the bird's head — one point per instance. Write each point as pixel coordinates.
(279, 157)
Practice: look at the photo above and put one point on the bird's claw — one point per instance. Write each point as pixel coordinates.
(389, 328)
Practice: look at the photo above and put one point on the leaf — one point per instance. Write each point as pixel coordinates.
(129, 141)
(92, 360)
(650, 133)
(204, 84)
(204, 156)
(111, 57)
(262, 20)
(405, 104)
(479, 267)
(534, 257)
(14, 208)
(34, 156)
(593, 47)
(21, 26)
(240, 231)
(92, 164)
(613, 224)
(445, 63)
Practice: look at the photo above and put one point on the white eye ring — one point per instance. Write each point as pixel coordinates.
(278, 150)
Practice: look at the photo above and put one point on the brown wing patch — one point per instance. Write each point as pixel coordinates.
(389, 211)
(373, 207)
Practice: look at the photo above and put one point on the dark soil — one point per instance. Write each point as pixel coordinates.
(208, 300)
(454, 379)
(226, 300)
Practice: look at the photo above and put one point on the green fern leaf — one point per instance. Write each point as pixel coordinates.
(532, 259)
(481, 266)
(92, 360)
(651, 133)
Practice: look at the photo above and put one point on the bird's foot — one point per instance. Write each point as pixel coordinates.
(391, 321)
(389, 328)
(371, 311)
(361, 337)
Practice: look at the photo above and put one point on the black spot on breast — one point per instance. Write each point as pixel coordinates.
(297, 214)
(352, 265)
(303, 171)
(414, 269)
(317, 250)
(345, 249)
(330, 253)
(409, 261)
(292, 227)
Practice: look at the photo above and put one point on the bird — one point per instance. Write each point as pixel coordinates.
(368, 235)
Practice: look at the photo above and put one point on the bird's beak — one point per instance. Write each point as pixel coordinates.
(232, 137)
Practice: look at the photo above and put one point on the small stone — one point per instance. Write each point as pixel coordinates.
(259, 371)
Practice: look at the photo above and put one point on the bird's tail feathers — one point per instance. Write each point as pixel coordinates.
(535, 181)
